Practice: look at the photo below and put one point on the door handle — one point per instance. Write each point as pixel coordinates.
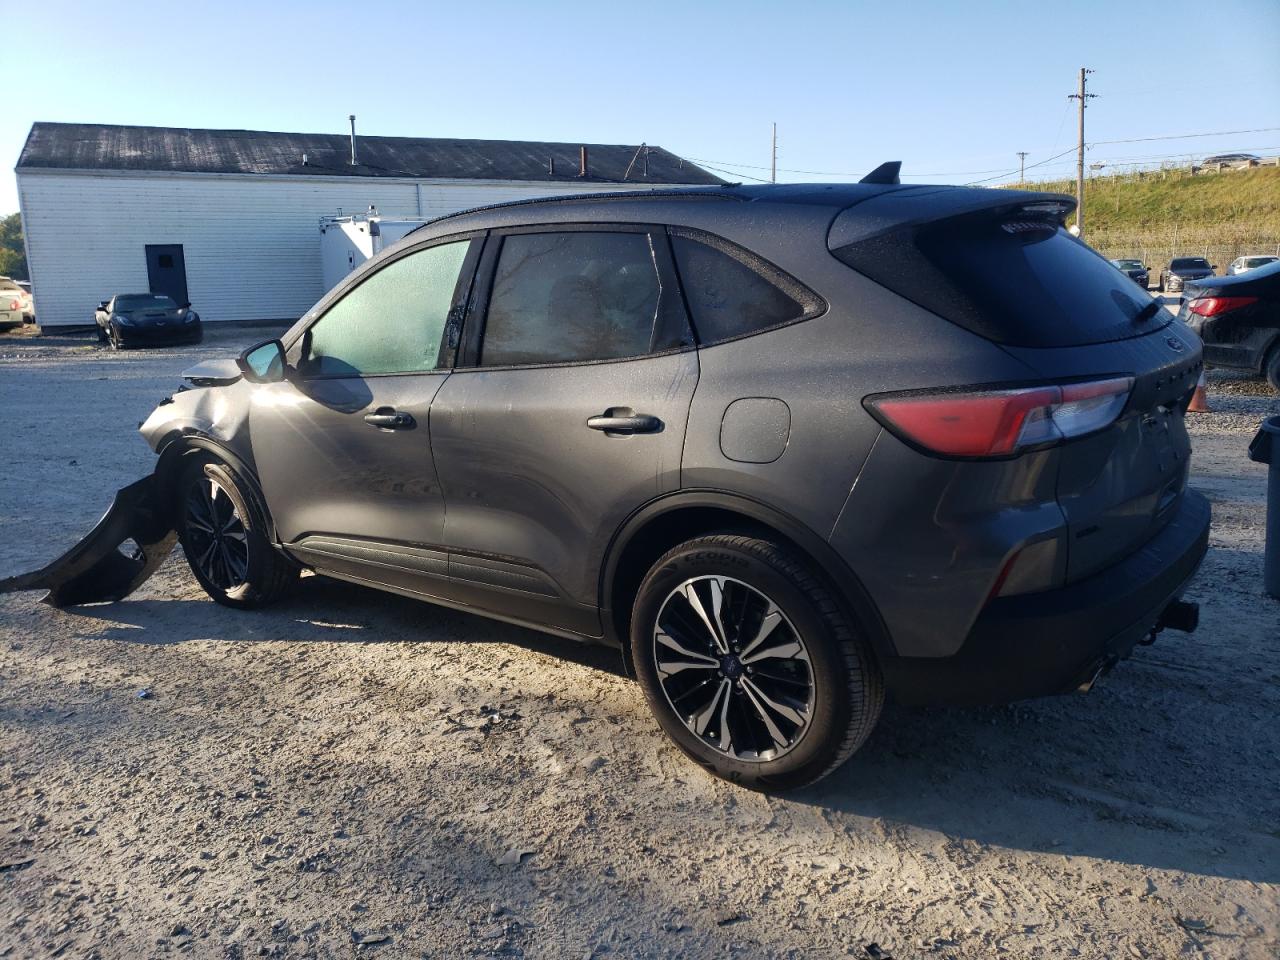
(387, 418)
(622, 421)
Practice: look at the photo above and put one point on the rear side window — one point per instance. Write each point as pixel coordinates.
(573, 296)
(728, 292)
(1014, 281)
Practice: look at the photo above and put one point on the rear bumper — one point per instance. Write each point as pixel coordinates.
(1048, 643)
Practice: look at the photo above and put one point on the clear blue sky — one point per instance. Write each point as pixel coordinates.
(948, 88)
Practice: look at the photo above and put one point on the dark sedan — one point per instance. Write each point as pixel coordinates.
(133, 319)
(1135, 270)
(1238, 318)
(1182, 270)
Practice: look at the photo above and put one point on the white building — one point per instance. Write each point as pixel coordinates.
(232, 216)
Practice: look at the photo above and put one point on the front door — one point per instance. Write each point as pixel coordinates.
(342, 447)
(565, 415)
(167, 271)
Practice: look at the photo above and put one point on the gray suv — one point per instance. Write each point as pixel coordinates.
(789, 448)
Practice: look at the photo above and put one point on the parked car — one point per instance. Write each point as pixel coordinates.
(29, 303)
(1135, 270)
(787, 447)
(1231, 159)
(10, 291)
(1181, 270)
(1244, 264)
(13, 304)
(1238, 317)
(130, 319)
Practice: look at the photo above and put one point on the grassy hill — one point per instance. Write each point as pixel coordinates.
(1158, 214)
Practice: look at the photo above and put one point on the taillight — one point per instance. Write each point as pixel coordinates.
(15, 305)
(1212, 306)
(1001, 423)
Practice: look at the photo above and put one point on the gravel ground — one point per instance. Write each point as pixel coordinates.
(355, 774)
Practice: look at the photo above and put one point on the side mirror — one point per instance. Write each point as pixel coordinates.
(264, 363)
(185, 306)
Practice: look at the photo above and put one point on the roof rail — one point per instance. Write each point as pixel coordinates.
(709, 192)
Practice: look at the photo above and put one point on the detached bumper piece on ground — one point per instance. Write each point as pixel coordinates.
(119, 554)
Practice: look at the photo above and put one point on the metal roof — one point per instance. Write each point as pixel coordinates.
(97, 146)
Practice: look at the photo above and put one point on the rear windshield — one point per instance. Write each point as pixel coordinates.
(1014, 281)
(145, 302)
(1190, 263)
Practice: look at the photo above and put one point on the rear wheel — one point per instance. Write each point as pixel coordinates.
(1272, 368)
(749, 664)
(102, 334)
(222, 529)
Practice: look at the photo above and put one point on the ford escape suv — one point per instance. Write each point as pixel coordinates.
(788, 447)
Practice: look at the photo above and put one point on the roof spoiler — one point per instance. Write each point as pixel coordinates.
(886, 173)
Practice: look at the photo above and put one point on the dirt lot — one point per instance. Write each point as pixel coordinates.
(353, 774)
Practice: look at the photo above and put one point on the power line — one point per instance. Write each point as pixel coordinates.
(713, 164)
(1187, 136)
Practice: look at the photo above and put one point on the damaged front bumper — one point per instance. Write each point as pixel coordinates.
(117, 556)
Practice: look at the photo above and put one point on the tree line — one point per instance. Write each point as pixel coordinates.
(13, 255)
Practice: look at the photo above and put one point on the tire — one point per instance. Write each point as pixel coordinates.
(240, 568)
(1272, 367)
(783, 643)
(113, 336)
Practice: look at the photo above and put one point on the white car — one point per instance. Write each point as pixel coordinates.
(14, 303)
(29, 304)
(1245, 264)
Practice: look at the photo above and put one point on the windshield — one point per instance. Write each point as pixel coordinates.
(1128, 264)
(1258, 261)
(7, 284)
(1190, 263)
(145, 301)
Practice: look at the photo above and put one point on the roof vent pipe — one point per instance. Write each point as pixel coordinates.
(352, 118)
(582, 161)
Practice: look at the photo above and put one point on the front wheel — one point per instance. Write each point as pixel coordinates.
(222, 528)
(750, 665)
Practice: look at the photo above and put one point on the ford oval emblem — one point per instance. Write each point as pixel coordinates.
(1175, 343)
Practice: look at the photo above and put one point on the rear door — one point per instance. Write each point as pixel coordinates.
(566, 413)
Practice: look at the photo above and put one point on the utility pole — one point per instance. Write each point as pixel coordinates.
(773, 166)
(1022, 167)
(1083, 97)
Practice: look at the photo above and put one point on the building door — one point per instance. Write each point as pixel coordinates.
(167, 271)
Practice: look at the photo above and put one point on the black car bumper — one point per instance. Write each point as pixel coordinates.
(159, 334)
(1047, 643)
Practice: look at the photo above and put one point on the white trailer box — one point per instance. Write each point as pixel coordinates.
(347, 242)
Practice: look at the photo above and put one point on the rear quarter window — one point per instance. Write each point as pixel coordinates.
(733, 293)
(1019, 282)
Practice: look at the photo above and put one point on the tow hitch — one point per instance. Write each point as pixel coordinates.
(1180, 615)
(123, 549)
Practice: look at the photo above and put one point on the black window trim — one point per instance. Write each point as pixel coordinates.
(812, 303)
(470, 352)
(448, 343)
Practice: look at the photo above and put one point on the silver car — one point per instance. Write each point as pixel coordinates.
(1244, 264)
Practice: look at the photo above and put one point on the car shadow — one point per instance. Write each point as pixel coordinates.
(328, 611)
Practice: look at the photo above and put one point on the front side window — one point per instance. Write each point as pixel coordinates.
(573, 296)
(392, 322)
(727, 296)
